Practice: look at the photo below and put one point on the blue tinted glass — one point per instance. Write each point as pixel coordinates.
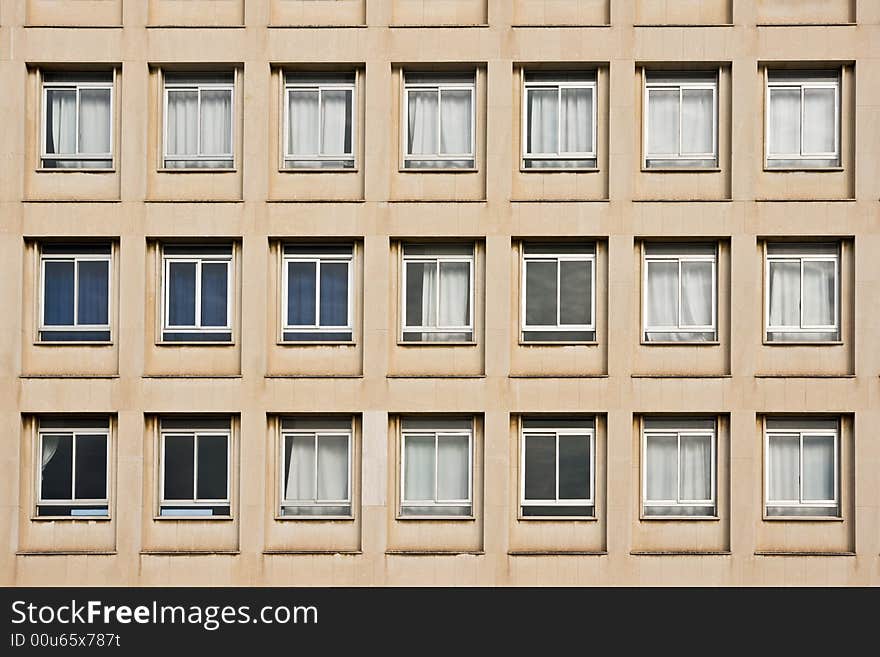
(58, 294)
(334, 294)
(214, 293)
(182, 294)
(301, 293)
(92, 283)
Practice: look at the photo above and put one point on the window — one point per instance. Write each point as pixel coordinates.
(681, 119)
(803, 119)
(316, 467)
(195, 468)
(73, 467)
(558, 292)
(438, 293)
(436, 468)
(319, 121)
(77, 121)
(802, 292)
(558, 467)
(316, 304)
(678, 467)
(197, 293)
(559, 122)
(75, 292)
(679, 292)
(198, 121)
(439, 125)
(801, 467)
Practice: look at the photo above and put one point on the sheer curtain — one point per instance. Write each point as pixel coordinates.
(819, 109)
(182, 123)
(50, 446)
(785, 121)
(818, 460)
(94, 121)
(61, 120)
(454, 294)
(662, 468)
(301, 470)
(576, 115)
(455, 121)
(784, 468)
(422, 122)
(663, 122)
(662, 302)
(543, 120)
(333, 467)
(452, 468)
(696, 468)
(696, 118)
(819, 291)
(418, 476)
(216, 122)
(335, 122)
(785, 292)
(429, 295)
(302, 138)
(696, 291)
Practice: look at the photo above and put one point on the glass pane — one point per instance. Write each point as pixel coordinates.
(662, 294)
(785, 292)
(94, 121)
(574, 467)
(784, 468)
(421, 294)
(452, 468)
(333, 468)
(179, 467)
(697, 119)
(819, 109)
(216, 124)
(214, 289)
(542, 127)
(301, 470)
(663, 121)
(661, 468)
(818, 468)
(334, 294)
(696, 293)
(418, 475)
(541, 293)
(785, 121)
(455, 122)
(696, 467)
(576, 116)
(182, 291)
(819, 292)
(575, 293)
(540, 465)
(93, 292)
(301, 280)
(213, 468)
(61, 121)
(91, 467)
(56, 482)
(422, 127)
(302, 137)
(182, 123)
(455, 294)
(336, 122)
(58, 293)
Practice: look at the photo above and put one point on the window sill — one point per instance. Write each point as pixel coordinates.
(803, 169)
(196, 170)
(64, 553)
(435, 518)
(72, 343)
(760, 375)
(196, 343)
(557, 553)
(349, 518)
(681, 170)
(557, 518)
(560, 343)
(402, 343)
(316, 343)
(437, 170)
(767, 518)
(645, 518)
(817, 24)
(316, 552)
(194, 518)
(658, 343)
(560, 170)
(683, 25)
(188, 553)
(782, 553)
(680, 376)
(680, 553)
(802, 343)
(70, 518)
(73, 170)
(286, 170)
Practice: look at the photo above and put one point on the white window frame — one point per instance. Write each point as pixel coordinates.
(199, 87)
(78, 87)
(682, 86)
(591, 437)
(316, 502)
(198, 260)
(195, 502)
(801, 258)
(559, 86)
(76, 258)
(802, 85)
(73, 501)
(558, 258)
(800, 433)
(437, 259)
(436, 502)
(679, 258)
(440, 88)
(679, 501)
(319, 259)
(320, 87)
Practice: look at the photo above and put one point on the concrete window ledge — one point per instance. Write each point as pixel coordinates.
(188, 553)
(312, 552)
(557, 553)
(680, 553)
(434, 553)
(65, 553)
(773, 553)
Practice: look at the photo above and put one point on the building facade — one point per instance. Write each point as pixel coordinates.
(472, 292)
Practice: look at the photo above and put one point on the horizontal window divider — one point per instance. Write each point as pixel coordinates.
(433, 170)
(775, 553)
(191, 376)
(91, 170)
(65, 553)
(196, 27)
(435, 553)
(793, 518)
(560, 169)
(311, 170)
(427, 518)
(801, 343)
(670, 343)
(321, 200)
(557, 553)
(414, 343)
(434, 26)
(680, 553)
(687, 519)
(560, 343)
(557, 376)
(521, 26)
(683, 25)
(187, 519)
(313, 376)
(316, 343)
(285, 26)
(531, 519)
(316, 518)
(801, 169)
(819, 24)
(52, 26)
(188, 553)
(106, 518)
(207, 170)
(281, 551)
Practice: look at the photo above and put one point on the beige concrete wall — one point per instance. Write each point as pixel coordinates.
(496, 380)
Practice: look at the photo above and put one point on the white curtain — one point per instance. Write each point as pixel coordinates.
(785, 121)
(429, 295)
(333, 468)
(819, 109)
(576, 117)
(62, 104)
(543, 120)
(784, 468)
(94, 121)
(696, 291)
(455, 121)
(301, 471)
(418, 475)
(452, 468)
(662, 301)
(182, 123)
(818, 459)
(454, 293)
(422, 117)
(216, 122)
(819, 288)
(662, 468)
(333, 122)
(303, 116)
(663, 122)
(50, 446)
(785, 291)
(696, 467)
(697, 115)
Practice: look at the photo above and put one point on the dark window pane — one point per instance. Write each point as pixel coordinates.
(182, 294)
(541, 467)
(540, 293)
(420, 293)
(179, 467)
(301, 277)
(93, 283)
(214, 287)
(57, 467)
(213, 457)
(574, 467)
(575, 305)
(91, 467)
(58, 294)
(334, 294)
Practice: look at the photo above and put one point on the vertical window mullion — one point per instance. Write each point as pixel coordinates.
(800, 468)
(75, 292)
(320, 123)
(678, 314)
(556, 460)
(437, 297)
(558, 293)
(198, 122)
(195, 467)
(801, 292)
(76, 122)
(678, 468)
(436, 467)
(315, 467)
(73, 440)
(801, 145)
(679, 154)
(558, 148)
(317, 298)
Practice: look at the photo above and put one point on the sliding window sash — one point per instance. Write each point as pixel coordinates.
(315, 505)
(196, 331)
(200, 158)
(78, 158)
(317, 331)
(194, 506)
(435, 157)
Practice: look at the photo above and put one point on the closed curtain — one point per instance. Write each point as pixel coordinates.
(92, 294)
(182, 122)
(454, 294)
(818, 464)
(575, 293)
(697, 114)
(216, 123)
(418, 475)
(696, 293)
(576, 117)
(94, 121)
(696, 468)
(455, 121)
(302, 135)
(663, 122)
(784, 468)
(662, 468)
(336, 122)
(61, 121)
(819, 109)
(819, 292)
(301, 469)
(543, 121)
(422, 122)
(452, 468)
(333, 468)
(662, 301)
(785, 292)
(785, 121)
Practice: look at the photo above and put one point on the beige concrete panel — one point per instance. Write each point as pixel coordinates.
(793, 12)
(684, 12)
(76, 13)
(438, 12)
(317, 12)
(561, 12)
(204, 13)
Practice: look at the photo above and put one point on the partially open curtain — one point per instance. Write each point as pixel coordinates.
(61, 124)
(662, 468)
(182, 123)
(302, 137)
(429, 295)
(452, 468)
(455, 121)
(418, 475)
(696, 291)
(662, 301)
(696, 467)
(454, 294)
(301, 471)
(785, 121)
(784, 468)
(576, 117)
(336, 123)
(422, 126)
(216, 122)
(94, 121)
(819, 291)
(819, 107)
(696, 121)
(543, 120)
(333, 468)
(50, 446)
(785, 282)
(663, 122)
